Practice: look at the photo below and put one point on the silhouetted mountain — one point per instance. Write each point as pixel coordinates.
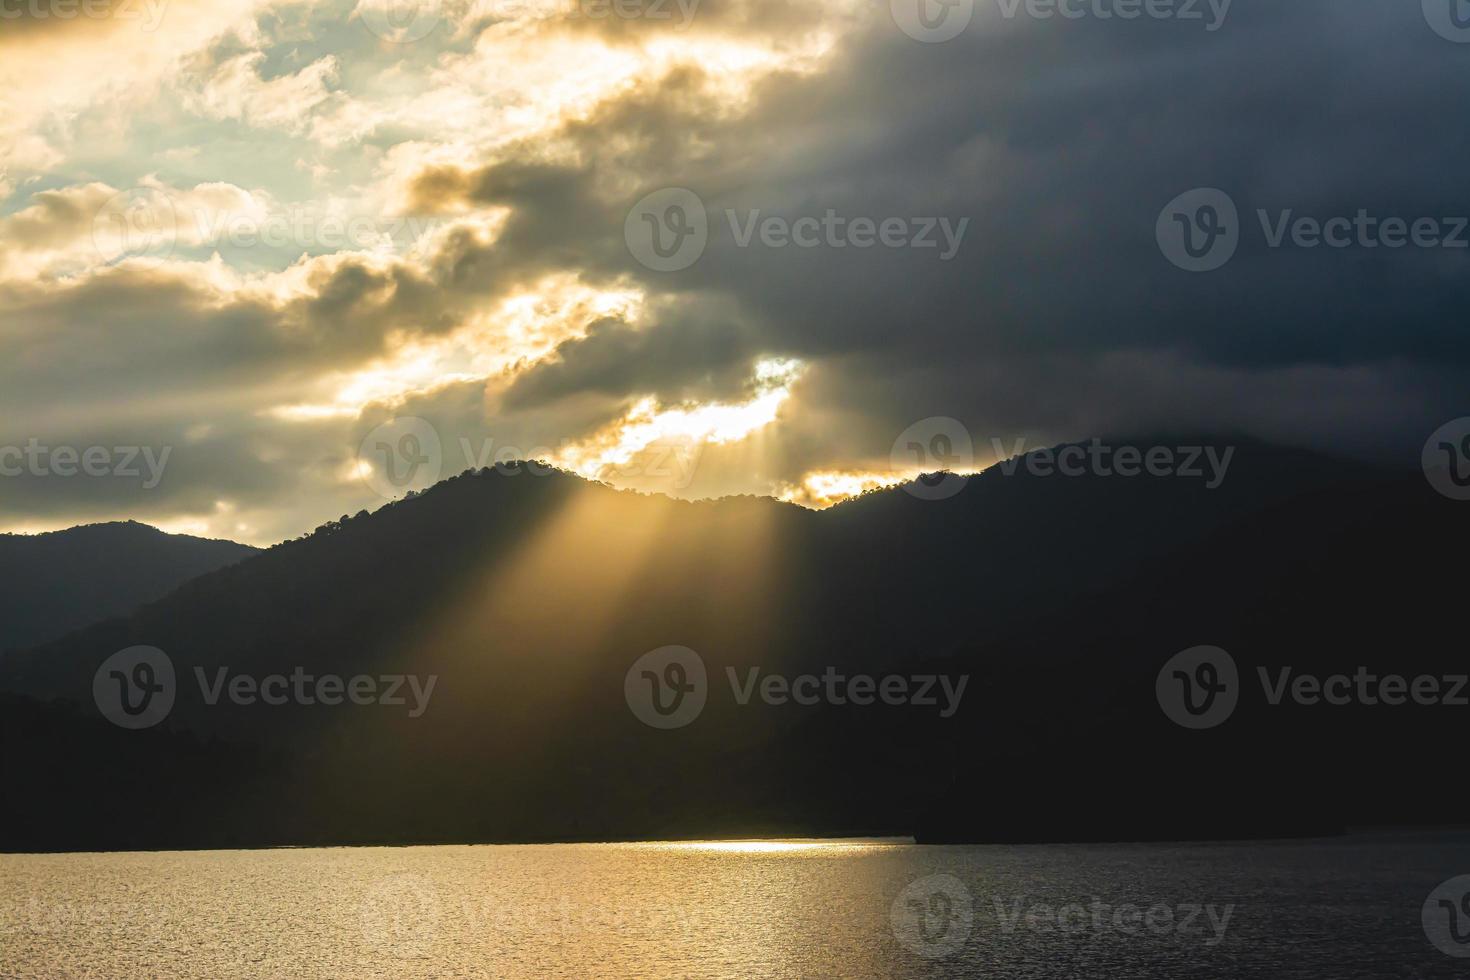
(54, 583)
(529, 598)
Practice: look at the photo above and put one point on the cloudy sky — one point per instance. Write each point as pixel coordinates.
(709, 246)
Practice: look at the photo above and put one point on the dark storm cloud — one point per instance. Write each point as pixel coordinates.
(1061, 141)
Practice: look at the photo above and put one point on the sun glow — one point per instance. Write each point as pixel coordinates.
(795, 846)
(714, 423)
(824, 488)
(820, 489)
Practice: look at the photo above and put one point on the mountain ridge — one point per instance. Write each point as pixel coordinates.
(54, 582)
(530, 599)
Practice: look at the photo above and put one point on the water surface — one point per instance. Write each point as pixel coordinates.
(1344, 909)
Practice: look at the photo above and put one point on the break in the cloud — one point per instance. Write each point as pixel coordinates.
(252, 232)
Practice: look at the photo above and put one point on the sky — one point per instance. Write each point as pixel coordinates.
(266, 263)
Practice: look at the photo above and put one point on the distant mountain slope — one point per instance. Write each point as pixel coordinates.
(529, 598)
(54, 583)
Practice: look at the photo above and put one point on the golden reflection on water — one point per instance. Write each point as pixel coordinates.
(784, 909)
(793, 845)
(696, 910)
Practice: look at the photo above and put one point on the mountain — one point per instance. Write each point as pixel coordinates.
(527, 599)
(54, 583)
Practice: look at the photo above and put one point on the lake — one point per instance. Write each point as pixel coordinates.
(1341, 908)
